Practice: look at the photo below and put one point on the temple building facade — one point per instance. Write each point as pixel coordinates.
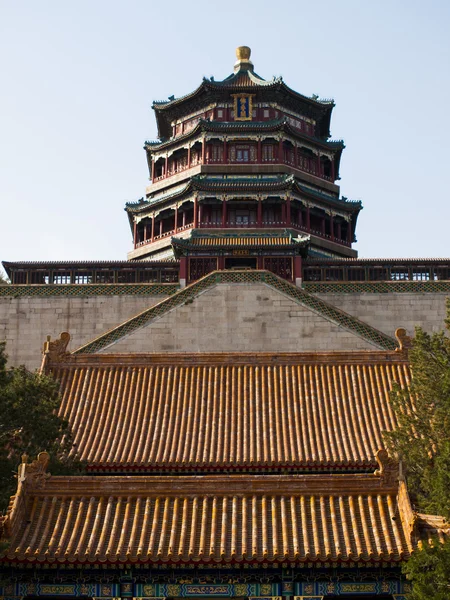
(228, 385)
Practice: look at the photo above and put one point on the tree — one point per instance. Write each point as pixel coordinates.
(29, 424)
(429, 571)
(422, 442)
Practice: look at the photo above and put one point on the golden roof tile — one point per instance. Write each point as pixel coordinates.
(246, 412)
(238, 518)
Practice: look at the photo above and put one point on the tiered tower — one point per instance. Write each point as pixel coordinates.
(243, 176)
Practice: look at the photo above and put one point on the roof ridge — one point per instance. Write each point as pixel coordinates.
(326, 310)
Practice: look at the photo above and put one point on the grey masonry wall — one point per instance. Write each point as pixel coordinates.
(387, 312)
(240, 317)
(25, 322)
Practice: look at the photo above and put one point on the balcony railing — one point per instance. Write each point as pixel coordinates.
(275, 224)
(165, 234)
(312, 168)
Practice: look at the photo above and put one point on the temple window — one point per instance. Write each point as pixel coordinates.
(220, 113)
(325, 167)
(242, 217)
(268, 153)
(242, 154)
(124, 276)
(62, 278)
(266, 113)
(103, 277)
(216, 153)
(83, 277)
(198, 267)
(147, 276)
(307, 161)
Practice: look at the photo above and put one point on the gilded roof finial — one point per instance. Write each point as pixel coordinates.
(243, 59)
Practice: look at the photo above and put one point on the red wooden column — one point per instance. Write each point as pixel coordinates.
(176, 218)
(183, 271)
(153, 169)
(259, 213)
(224, 212)
(135, 233)
(288, 211)
(153, 228)
(308, 218)
(145, 233)
(189, 157)
(225, 151)
(258, 155)
(332, 227)
(319, 171)
(339, 230)
(283, 213)
(184, 218)
(195, 212)
(349, 233)
(166, 167)
(280, 151)
(203, 150)
(333, 177)
(322, 225)
(161, 227)
(296, 156)
(298, 275)
(200, 214)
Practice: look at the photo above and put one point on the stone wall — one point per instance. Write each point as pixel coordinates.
(386, 312)
(240, 317)
(25, 322)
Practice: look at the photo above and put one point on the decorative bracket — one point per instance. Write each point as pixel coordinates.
(56, 350)
(388, 468)
(403, 339)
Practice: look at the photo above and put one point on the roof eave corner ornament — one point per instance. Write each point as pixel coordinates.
(35, 473)
(29, 476)
(243, 59)
(404, 341)
(56, 350)
(388, 468)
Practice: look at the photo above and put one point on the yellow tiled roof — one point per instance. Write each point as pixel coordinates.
(241, 241)
(237, 411)
(259, 519)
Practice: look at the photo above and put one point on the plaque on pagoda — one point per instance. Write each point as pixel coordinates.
(243, 107)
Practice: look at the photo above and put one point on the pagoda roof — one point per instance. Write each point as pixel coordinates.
(266, 184)
(281, 124)
(244, 79)
(286, 240)
(213, 412)
(212, 519)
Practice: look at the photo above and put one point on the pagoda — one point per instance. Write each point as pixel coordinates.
(243, 175)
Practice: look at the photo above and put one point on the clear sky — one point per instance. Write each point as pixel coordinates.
(78, 78)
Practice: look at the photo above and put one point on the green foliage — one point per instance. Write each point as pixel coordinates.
(422, 439)
(429, 571)
(422, 442)
(29, 424)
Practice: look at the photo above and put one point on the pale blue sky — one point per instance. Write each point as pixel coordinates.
(78, 78)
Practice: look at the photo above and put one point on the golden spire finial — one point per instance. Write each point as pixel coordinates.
(243, 59)
(243, 53)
